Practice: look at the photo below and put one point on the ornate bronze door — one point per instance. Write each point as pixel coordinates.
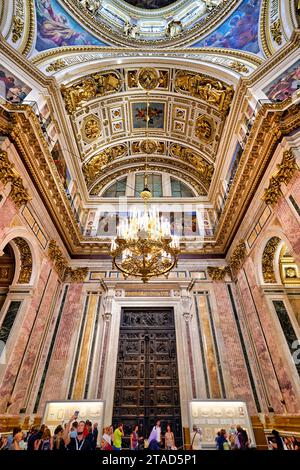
(147, 377)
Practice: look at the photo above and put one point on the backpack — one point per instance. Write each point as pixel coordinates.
(226, 445)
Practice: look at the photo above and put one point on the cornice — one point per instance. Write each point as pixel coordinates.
(24, 131)
(271, 124)
(118, 51)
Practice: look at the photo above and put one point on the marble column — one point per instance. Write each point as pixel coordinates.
(41, 307)
(25, 331)
(290, 225)
(294, 187)
(241, 388)
(57, 380)
(7, 213)
(274, 370)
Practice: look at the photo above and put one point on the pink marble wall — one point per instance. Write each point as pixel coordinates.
(57, 380)
(20, 346)
(7, 213)
(253, 357)
(290, 225)
(19, 397)
(294, 187)
(267, 347)
(241, 389)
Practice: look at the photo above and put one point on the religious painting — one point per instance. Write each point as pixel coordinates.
(285, 85)
(107, 224)
(12, 89)
(156, 113)
(239, 31)
(150, 4)
(56, 28)
(61, 165)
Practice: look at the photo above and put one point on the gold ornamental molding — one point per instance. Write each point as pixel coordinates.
(238, 256)
(8, 174)
(155, 164)
(286, 170)
(218, 273)
(200, 86)
(23, 128)
(25, 260)
(76, 275)
(268, 259)
(90, 87)
(61, 265)
(59, 261)
(63, 53)
(272, 123)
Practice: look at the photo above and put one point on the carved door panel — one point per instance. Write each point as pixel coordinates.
(147, 386)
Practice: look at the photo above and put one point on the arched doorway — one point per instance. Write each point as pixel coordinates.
(280, 270)
(7, 272)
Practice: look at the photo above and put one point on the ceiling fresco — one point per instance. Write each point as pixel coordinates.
(239, 31)
(56, 28)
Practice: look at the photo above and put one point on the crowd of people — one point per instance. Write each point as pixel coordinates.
(83, 435)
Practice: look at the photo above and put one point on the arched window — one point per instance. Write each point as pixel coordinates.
(154, 184)
(180, 189)
(117, 189)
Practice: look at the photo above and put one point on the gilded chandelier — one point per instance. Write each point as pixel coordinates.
(144, 246)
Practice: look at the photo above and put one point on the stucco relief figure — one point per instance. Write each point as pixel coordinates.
(174, 28)
(211, 4)
(92, 6)
(131, 30)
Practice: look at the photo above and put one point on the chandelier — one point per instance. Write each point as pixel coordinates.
(144, 246)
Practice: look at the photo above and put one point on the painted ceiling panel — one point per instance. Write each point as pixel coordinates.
(239, 31)
(56, 28)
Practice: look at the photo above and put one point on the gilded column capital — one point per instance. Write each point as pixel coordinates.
(285, 171)
(238, 256)
(8, 174)
(218, 273)
(75, 275)
(59, 261)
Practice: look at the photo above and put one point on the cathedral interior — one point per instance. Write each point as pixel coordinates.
(198, 101)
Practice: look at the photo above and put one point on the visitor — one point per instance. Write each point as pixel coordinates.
(169, 439)
(34, 434)
(153, 442)
(276, 441)
(156, 430)
(196, 438)
(73, 432)
(95, 435)
(221, 440)
(17, 438)
(46, 442)
(79, 442)
(134, 438)
(118, 434)
(242, 438)
(58, 442)
(111, 433)
(106, 443)
(233, 437)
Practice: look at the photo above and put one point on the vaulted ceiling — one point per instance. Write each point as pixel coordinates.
(187, 112)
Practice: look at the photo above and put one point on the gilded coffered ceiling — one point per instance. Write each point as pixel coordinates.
(187, 113)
